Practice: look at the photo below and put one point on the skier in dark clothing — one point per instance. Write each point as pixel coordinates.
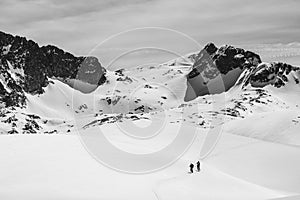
(198, 166)
(191, 167)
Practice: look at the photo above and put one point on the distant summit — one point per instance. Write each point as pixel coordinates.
(277, 74)
(216, 70)
(26, 67)
(44, 89)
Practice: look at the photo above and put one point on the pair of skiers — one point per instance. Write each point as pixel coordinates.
(192, 167)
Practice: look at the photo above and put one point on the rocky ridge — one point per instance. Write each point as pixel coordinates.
(25, 68)
(229, 63)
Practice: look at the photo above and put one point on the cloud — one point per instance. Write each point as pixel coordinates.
(29, 11)
(78, 26)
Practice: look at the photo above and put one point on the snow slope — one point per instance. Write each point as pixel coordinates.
(58, 167)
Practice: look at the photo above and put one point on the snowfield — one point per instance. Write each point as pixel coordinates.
(58, 167)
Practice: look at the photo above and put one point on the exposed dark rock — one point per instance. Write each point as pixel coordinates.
(226, 64)
(222, 60)
(210, 48)
(271, 73)
(26, 67)
(13, 131)
(223, 65)
(125, 79)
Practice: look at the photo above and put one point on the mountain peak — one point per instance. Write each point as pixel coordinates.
(228, 63)
(33, 65)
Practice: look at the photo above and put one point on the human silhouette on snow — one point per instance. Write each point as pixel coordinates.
(198, 166)
(191, 167)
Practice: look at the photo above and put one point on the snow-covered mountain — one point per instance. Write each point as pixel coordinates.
(217, 70)
(52, 86)
(26, 68)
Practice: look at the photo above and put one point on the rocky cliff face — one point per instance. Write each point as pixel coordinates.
(26, 67)
(276, 74)
(212, 61)
(216, 70)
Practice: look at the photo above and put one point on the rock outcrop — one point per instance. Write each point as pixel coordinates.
(216, 70)
(212, 61)
(26, 67)
(276, 74)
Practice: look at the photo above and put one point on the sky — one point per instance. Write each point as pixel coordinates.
(113, 28)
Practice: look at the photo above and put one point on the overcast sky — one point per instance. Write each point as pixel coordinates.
(79, 25)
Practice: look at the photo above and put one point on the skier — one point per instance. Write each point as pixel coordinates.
(198, 166)
(191, 168)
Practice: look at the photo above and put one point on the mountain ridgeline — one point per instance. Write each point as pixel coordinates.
(25, 68)
(216, 70)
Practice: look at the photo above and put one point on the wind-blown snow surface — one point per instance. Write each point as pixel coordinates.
(257, 157)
